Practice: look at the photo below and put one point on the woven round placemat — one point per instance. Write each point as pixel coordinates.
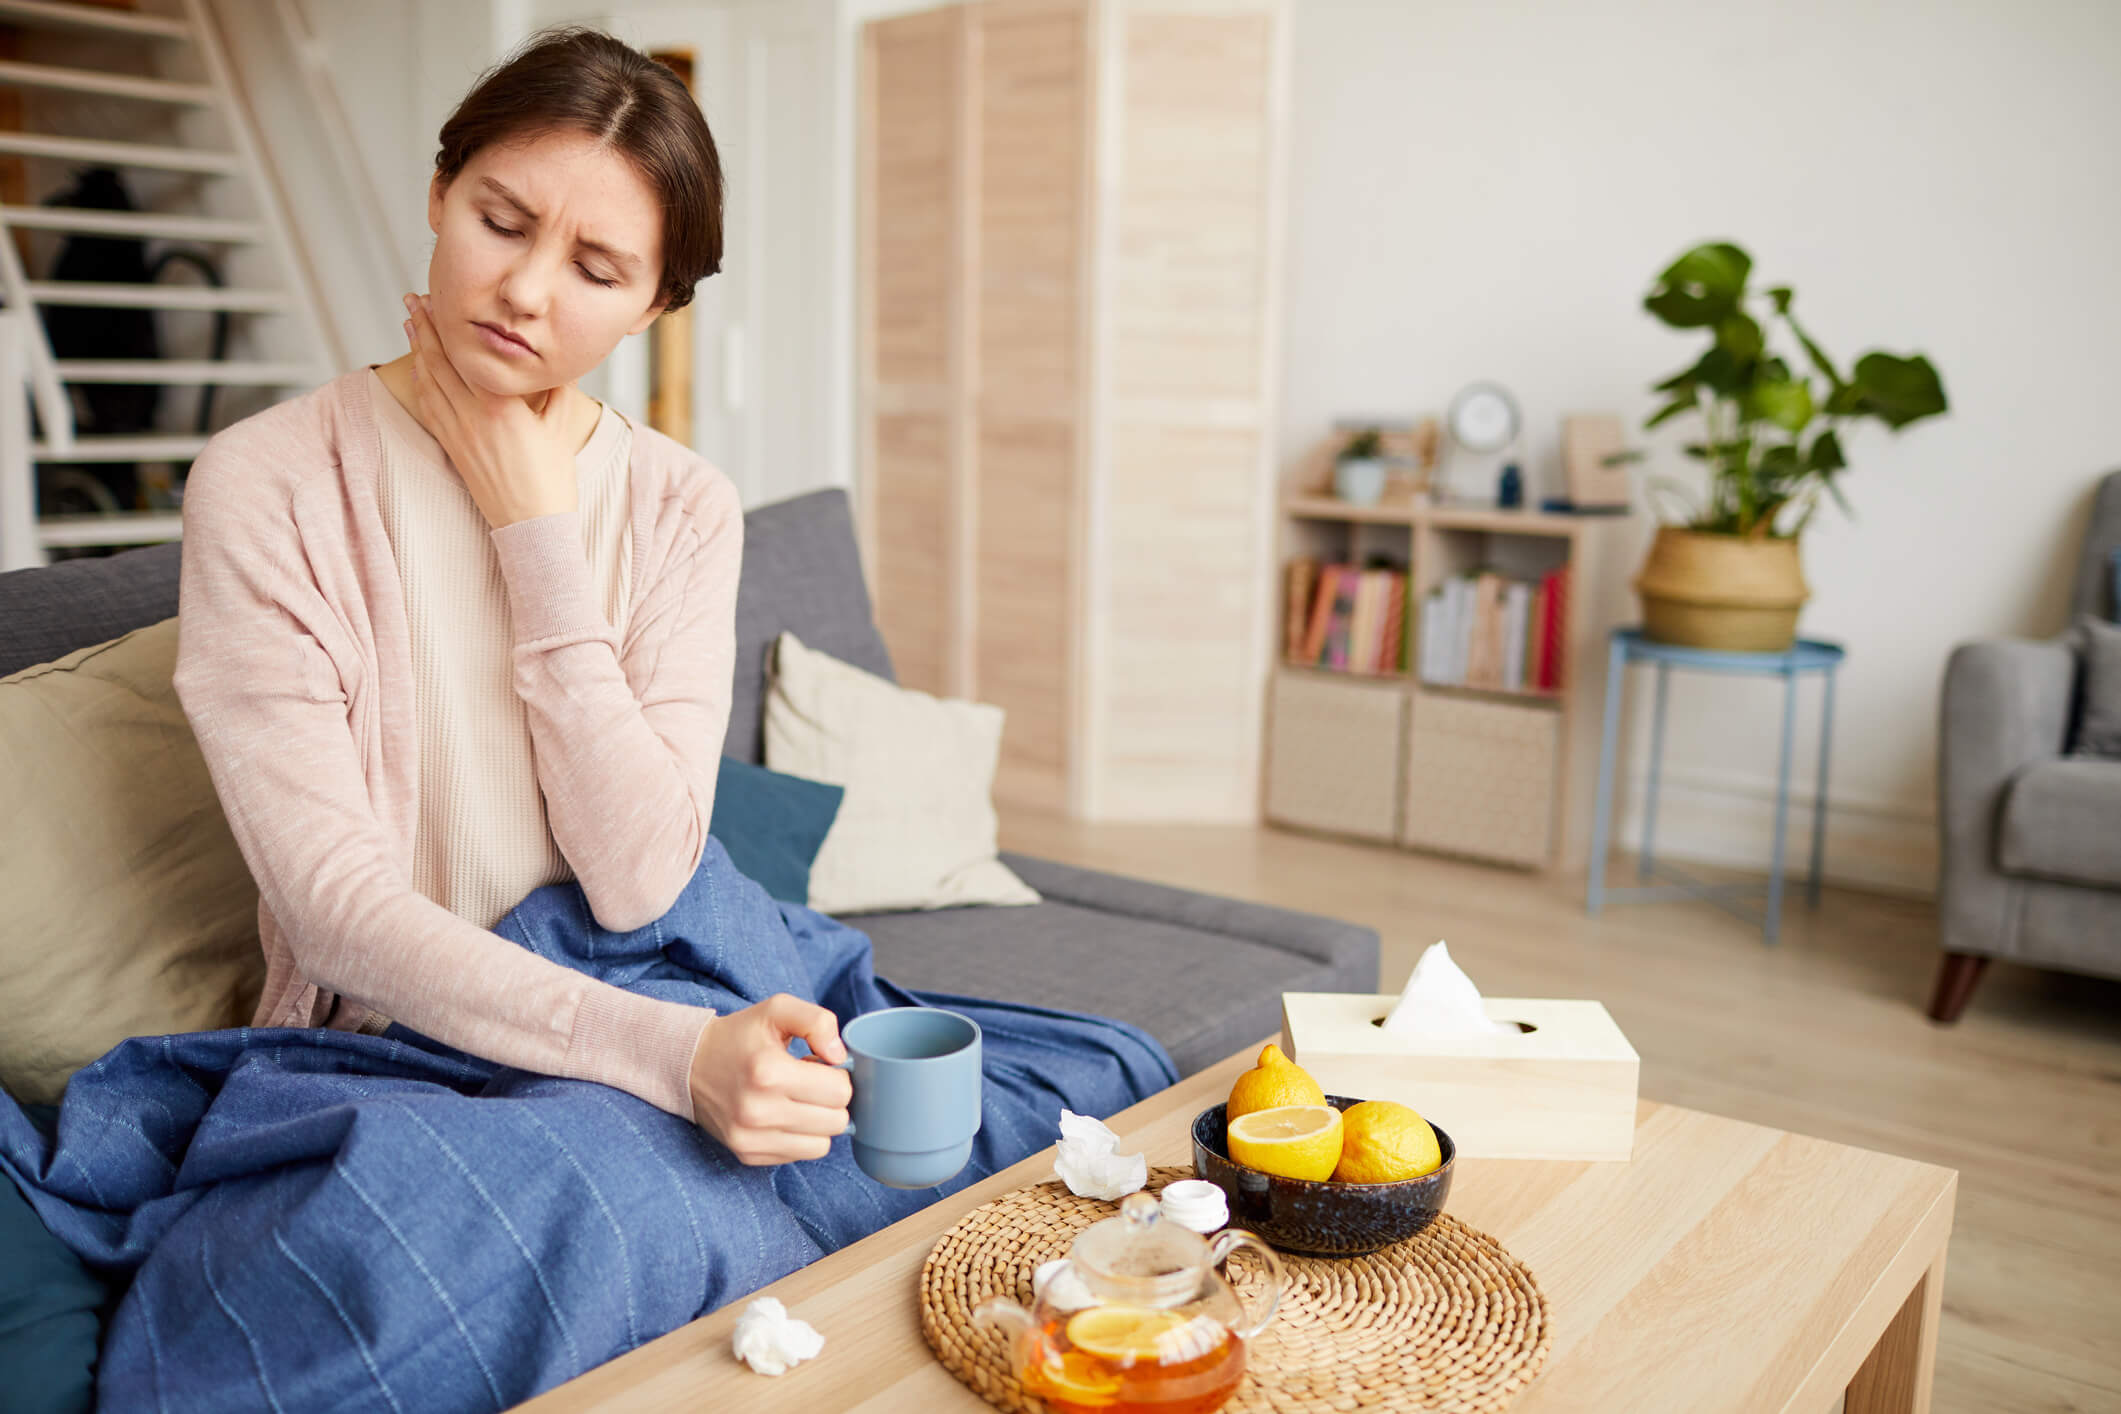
(1446, 1320)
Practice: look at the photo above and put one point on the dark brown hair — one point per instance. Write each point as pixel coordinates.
(570, 78)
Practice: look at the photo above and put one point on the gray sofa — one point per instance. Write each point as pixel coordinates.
(2031, 866)
(1203, 975)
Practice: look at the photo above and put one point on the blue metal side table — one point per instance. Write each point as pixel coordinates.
(1804, 656)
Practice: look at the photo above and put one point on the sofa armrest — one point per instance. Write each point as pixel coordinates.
(1349, 949)
(2006, 705)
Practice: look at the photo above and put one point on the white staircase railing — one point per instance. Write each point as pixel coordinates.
(18, 476)
(297, 351)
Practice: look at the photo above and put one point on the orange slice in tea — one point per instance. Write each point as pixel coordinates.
(1123, 1334)
(1075, 1379)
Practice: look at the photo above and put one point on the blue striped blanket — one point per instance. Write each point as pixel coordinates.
(318, 1219)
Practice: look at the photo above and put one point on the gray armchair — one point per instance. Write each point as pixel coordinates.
(2031, 869)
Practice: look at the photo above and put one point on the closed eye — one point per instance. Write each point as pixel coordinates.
(500, 230)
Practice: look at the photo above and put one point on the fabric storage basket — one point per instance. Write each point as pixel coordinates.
(1480, 779)
(1333, 753)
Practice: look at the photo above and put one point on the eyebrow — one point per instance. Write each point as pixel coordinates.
(611, 253)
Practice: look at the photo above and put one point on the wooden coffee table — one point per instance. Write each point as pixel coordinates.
(1728, 1267)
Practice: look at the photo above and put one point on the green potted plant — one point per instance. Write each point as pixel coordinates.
(1729, 576)
(1359, 471)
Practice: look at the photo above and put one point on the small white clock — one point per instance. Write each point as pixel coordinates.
(1484, 424)
(1483, 417)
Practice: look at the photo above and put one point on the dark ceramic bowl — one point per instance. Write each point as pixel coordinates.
(1320, 1219)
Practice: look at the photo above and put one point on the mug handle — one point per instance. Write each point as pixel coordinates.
(848, 1066)
(1227, 1241)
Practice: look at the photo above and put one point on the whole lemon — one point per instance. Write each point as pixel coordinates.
(1289, 1141)
(1383, 1142)
(1275, 1081)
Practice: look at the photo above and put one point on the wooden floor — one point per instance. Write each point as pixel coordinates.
(1823, 1035)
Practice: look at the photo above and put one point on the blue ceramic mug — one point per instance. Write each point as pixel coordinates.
(916, 1106)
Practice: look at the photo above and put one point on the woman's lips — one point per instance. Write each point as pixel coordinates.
(504, 344)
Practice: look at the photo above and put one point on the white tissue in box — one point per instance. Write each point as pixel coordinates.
(1440, 1000)
(1563, 1090)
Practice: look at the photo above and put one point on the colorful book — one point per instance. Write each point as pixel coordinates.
(1345, 581)
(1428, 639)
(1484, 650)
(1516, 614)
(1553, 654)
(1362, 623)
(1296, 605)
(1391, 642)
(1458, 631)
(1535, 639)
(1321, 615)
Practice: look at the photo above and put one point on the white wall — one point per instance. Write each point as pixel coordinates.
(1488, 190)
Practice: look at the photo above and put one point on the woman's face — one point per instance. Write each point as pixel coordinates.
(556, 240)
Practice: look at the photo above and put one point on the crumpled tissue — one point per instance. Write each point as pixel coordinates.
(1441, 1001)
(1088, 1160)
(771, 1341)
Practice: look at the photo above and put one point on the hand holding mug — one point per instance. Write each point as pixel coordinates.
(764, 1104)
(516, 463)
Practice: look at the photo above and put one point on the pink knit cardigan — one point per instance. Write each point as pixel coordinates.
(294, 667)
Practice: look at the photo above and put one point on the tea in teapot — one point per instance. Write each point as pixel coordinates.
(1137, 1320)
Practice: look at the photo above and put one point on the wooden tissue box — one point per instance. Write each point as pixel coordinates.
(1563, 1089)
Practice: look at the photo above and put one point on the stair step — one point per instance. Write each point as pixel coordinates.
(148, 225)
(209, 297)
(47, 15)
(124, 528)
(27, 75)
(176, 370)
(168, 447)
(119, 154)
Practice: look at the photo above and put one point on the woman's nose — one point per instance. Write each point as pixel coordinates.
(527, 284)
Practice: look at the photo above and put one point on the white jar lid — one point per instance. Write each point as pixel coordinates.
(1195, 1203)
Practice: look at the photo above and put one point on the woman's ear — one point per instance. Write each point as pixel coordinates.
(436, 190)
(654, 312)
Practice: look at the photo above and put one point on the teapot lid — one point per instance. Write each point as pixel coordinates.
(1141, 1253)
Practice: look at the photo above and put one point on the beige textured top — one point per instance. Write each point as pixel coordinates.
(295, 666)
(481, 841)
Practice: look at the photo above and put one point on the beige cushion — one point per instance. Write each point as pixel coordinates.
(129, 911)
(917, 826)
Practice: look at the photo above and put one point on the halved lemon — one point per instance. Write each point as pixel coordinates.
(1290, 1141)
(1123, 1334)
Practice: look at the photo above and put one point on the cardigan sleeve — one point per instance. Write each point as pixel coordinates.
(628, 744)
(268, 705)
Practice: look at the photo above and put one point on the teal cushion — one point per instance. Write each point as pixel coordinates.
(772, 825)
(51, 1314)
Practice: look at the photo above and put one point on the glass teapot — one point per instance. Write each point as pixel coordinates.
(1136, 1320)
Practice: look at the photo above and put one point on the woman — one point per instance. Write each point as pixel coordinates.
(452, 630)
(457, 645)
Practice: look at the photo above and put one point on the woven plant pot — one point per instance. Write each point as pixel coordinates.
(1721, 592)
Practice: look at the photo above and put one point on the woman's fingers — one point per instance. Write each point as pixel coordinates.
(801, 1096)
(811, 1121)
(815, 1083)
(771, 1148)
(430, 359)
(817, 1026)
